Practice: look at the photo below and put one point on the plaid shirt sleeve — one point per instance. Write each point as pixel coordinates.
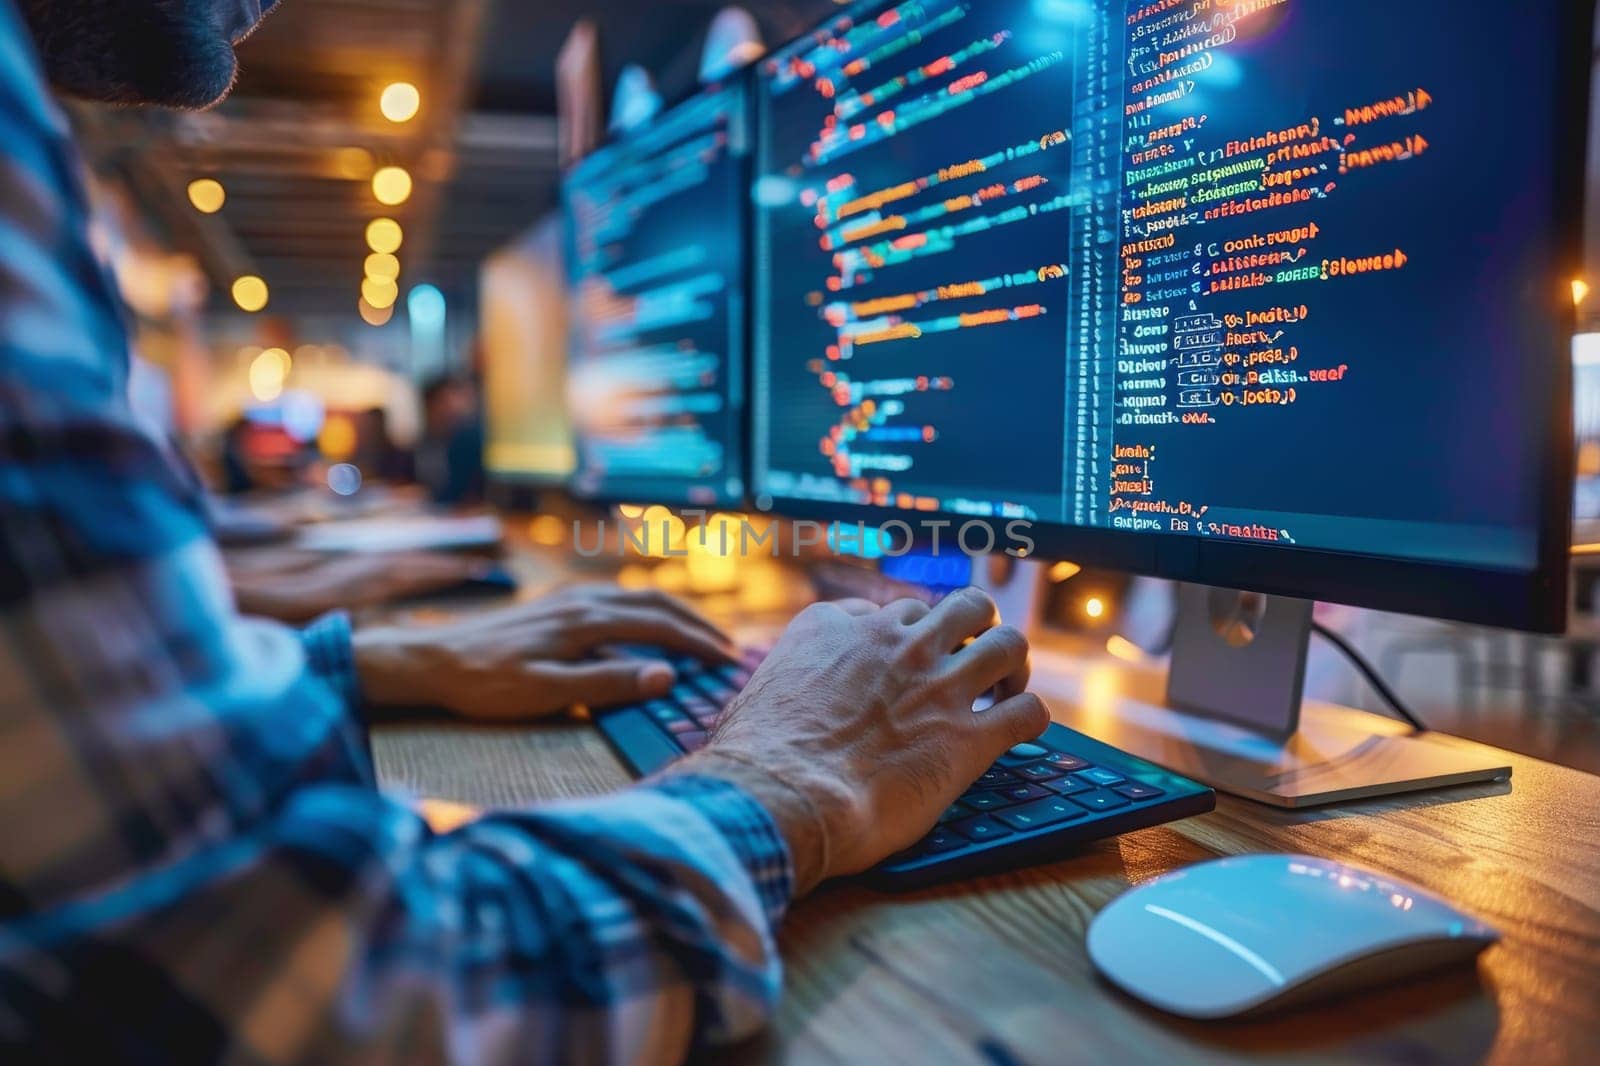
(329, 654)
(195, 864)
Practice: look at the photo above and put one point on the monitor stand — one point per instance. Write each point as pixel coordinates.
(1233, 714)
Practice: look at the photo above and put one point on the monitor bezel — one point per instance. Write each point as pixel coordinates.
(1533, 601)
(611, 494)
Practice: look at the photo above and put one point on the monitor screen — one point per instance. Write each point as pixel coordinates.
(1280, 274)
(656, 223)
(522, 297)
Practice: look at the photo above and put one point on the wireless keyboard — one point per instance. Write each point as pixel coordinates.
(1034, 805)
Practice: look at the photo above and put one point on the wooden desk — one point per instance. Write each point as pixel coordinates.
(994, 971)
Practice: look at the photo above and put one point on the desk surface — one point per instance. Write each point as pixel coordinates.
(995, 971)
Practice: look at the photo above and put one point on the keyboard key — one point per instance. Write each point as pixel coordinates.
(1037, 815)
(985, 801)
(704, 713)
(941, 839)
(643, 744)
(1039, 771)
(1136, 790)
(1099, 799)
(980, 828)
(682, 725)
(1068, 786)
(1065, 761)
(716, 690)
(1022, 793)
(663, 712)
(693, 740)
(954, 811)
(1024, 752)
(1101, 776)
(994, 777)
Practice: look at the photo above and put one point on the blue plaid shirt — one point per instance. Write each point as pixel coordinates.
(195, 864)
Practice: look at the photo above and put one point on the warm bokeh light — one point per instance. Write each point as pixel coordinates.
(391, 185)
(671, 576)
(1094, 607)
(268, 372)
(1124, 649)
(1580, 291)
(338, 437)
(1064, 571)
(250, 293)
(660, 530)
(381, 293)
(630, 510)
(548, 530)
(375, 316)
(384, 235)
(207, 195)
(713, 550)
(444, 815)
(382, 265)
(634, 576)
(400, 102)
(353, 163)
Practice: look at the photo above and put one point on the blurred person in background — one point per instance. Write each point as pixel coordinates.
(449, 456)
(377, 456)
(196, 864)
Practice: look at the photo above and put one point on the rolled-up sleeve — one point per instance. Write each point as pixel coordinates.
(330, 654)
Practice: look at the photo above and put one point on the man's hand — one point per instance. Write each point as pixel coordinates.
(858, 730)
(535, 658)
(297, 586)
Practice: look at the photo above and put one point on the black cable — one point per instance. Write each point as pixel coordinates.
(1367, 671)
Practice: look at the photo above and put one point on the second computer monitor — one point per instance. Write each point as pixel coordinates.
(1267, 294)
(656, 223)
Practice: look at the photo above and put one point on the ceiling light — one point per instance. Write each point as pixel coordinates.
(400, 102)
(207, 195)
(384, 235)
(391, 185)
(250, 293)
(382, 265)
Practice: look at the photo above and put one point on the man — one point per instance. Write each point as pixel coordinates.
(195, 864)
(449, 453)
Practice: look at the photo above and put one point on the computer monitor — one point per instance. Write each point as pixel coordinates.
(522, 297)
(1270, 295)
(657, 230)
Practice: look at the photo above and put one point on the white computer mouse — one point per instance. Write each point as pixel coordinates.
(1257, 932)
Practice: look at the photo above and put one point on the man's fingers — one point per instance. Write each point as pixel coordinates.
(442, 571)
(962, 614)
(606, 683)
(996, 658)
(1011, 721)
(856, 607)
(649, 625)
(664, 602)
(907, 612)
